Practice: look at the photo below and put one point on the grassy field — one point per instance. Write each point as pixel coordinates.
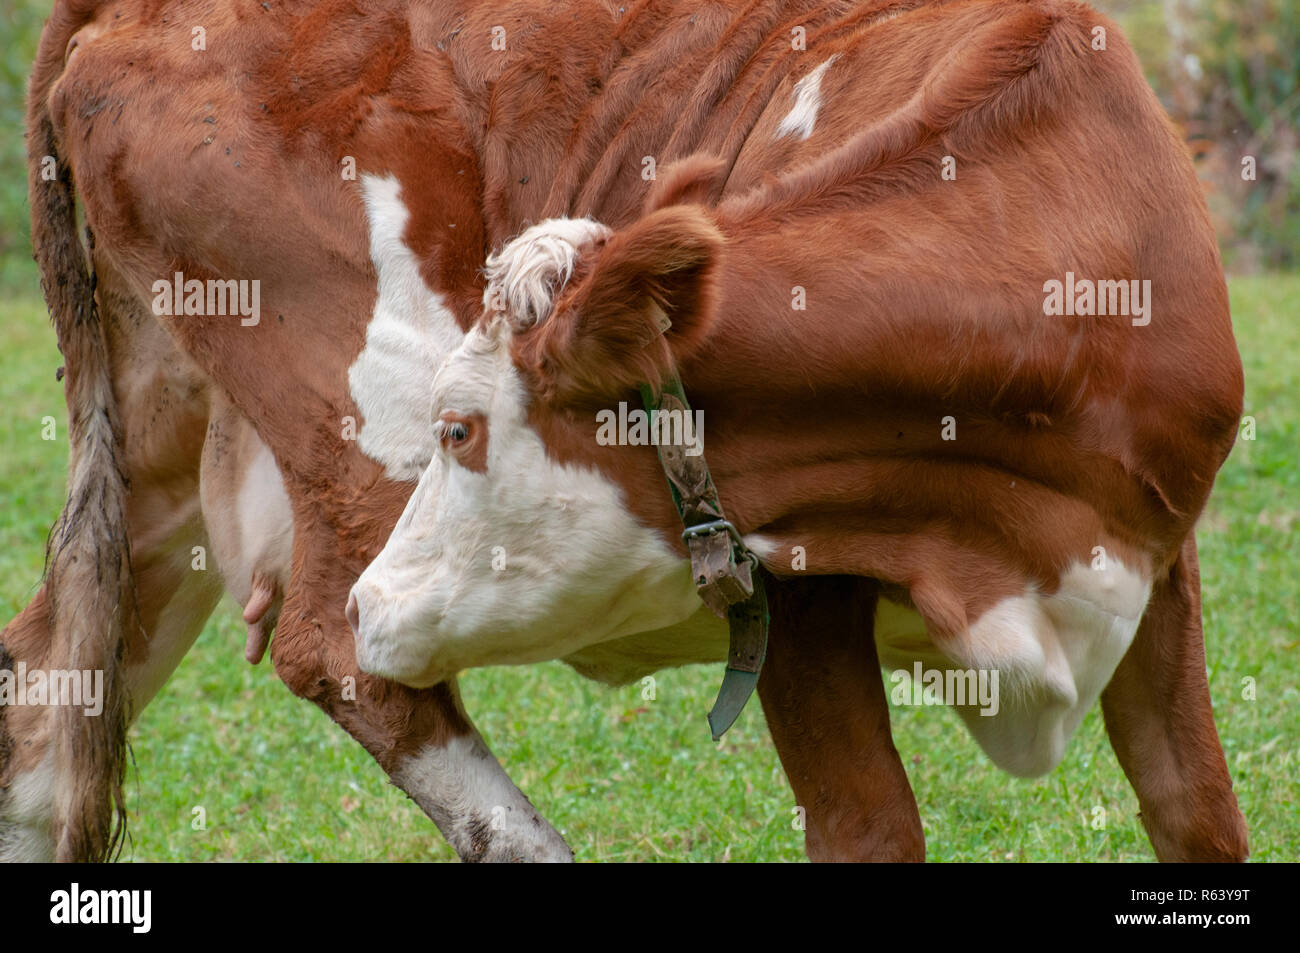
(628, 778)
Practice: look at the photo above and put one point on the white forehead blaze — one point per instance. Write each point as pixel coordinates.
(802, 117)
(411, 332)
(477, 378)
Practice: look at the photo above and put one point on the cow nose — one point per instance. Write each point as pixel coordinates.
(353, 614)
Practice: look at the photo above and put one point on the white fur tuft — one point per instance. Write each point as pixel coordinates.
(528, 273)
(807, 102)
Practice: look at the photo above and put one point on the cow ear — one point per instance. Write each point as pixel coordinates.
(644, 302)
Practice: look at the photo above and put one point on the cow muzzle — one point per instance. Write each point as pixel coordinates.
(385, 645)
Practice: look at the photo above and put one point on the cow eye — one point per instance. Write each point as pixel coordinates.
(457, 432)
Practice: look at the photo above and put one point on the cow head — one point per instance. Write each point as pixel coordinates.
(520, 542)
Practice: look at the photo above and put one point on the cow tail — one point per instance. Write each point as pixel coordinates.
(88, 557)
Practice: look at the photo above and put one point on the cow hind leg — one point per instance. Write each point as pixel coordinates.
(174, 603)
(1158, 716)
(127, 589)
(26, 752)
(824, 699)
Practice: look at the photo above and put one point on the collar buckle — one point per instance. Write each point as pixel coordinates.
(722, 579)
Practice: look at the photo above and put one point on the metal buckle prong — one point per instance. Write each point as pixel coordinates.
(711, 527)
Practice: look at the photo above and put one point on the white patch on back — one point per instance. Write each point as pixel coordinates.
(802, 117)
(25, 814)
(412, 330)
(527, 274)
(476, 805)
(1054, 655)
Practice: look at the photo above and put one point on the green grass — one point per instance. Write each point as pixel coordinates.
(626, 778)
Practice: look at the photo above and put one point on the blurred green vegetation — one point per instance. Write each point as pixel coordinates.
(1228, 71)
(20, 28)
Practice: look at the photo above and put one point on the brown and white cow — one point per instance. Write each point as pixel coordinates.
(358, 161)
(934, 463)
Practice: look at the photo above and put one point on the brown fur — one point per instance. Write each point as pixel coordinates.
(863, 808)
(1158, 717)
(484, 143)
(925, 301)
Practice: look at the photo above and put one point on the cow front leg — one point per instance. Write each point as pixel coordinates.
(426, 743)
(824, 699)
(460, 785)
(1161, 725)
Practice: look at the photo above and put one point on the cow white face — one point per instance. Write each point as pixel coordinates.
(505, 554)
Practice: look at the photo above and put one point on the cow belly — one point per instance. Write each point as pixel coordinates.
(1053, 655)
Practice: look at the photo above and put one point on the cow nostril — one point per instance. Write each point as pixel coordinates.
(353, 614)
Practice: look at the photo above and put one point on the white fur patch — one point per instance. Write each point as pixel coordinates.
(25, 814)
(412, 330)
(1054, 655)
(525, 277)
(802, 117)
(764, 547)
(476, 805)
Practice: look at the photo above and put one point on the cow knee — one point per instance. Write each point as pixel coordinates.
(300, 669)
